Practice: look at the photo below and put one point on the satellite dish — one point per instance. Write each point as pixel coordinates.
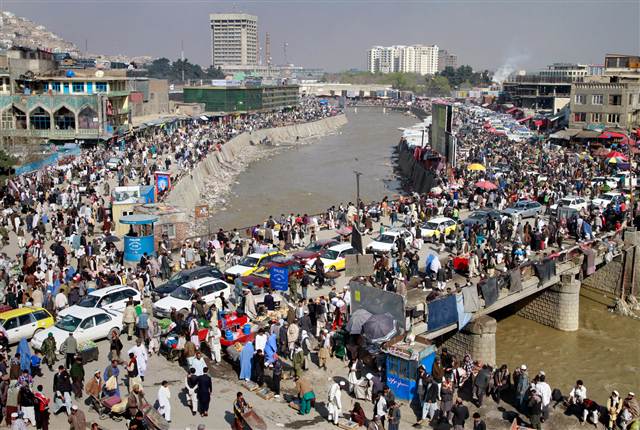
(99, 74)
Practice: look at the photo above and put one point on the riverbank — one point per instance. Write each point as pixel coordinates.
(210, 182)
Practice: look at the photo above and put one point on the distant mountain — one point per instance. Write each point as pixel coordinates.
(18, 31)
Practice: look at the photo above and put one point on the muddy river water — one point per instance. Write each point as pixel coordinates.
(604, 352)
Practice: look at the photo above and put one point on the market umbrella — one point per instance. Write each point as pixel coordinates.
(614, 160)
(357, 320)
(476, 167)
(111, 239)
(616, 154)
(379, 328)
(486, 185)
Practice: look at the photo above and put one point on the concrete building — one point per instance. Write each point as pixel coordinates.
(326, 89)
(421, 59)
(611, 100)
(234, 39)
(538, 92)
(446, 59)
(243, 99)
(566, 70)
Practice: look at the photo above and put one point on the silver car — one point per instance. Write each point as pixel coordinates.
(525, 209)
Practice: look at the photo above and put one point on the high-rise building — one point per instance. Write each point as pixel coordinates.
(234, 39)
(406, 59)
(446, 59)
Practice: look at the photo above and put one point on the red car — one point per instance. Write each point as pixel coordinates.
(260, 278)
(312, 251)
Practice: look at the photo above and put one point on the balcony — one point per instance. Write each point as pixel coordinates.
(54, 134)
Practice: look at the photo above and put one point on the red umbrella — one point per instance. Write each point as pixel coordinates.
(486, 185)
(616, 154)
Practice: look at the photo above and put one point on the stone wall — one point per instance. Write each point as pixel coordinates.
(557, 306)
(606, 278)
(189, 189)
(478, 339)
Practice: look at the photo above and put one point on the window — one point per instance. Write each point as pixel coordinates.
(129, 294)
(102, 319)
(64, 119)
(597, 99)
(613, 118)
(25, 320)
(10, 324)
(169, 230)
(596, 117)
(88, 323)
(41, 315)
(615, 99)
(580, 116)
(86, 118)
(580, 99)
(40, 119)
(7, 119)
(55, 87)
(631, 97)
(101, 87)
(78, 87)
(65, 88)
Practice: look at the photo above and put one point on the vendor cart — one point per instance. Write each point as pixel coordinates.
(153, 419)
(253, 420)
(403, 360)
(233, 328)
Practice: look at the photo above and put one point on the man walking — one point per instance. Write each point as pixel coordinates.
(460, 415)
(335, 401)
(164, 401)
(205, 387)
(70, 348)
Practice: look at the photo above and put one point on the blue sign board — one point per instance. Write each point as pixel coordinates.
(279, 278)
(135, 247)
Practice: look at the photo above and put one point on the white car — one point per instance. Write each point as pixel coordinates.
(610, 181)
(388, 241)
(113, 298)
(573, 202)
(334, 258)
(603, 200)
(431, 228)
(180, 299)
(85, 324)
(113, 163)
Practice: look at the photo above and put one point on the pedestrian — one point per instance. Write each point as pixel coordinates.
(129, 318)
(62, 391)
(335, 401)
(305, 394)
(276, 375)
(614, 406)
(115, 346)
(478, 423)
(205, 387)
(258, 367)
(240, 407)
(77, 377)
(77, 420)
(460, 414)
(501, 383)
(42, 409)
(70, 348)
(380, 408)
(522, 386)
(246, 361)
(214, 336)
(393, 416)
(164, 401)
(142, 324)
(298, 361)
(142, 357)
(481, 384)
(534, 408)
(191, 384)
(49, 351)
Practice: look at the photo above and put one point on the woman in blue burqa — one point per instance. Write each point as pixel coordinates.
(246, 358)
(25, 355)
(271, 348)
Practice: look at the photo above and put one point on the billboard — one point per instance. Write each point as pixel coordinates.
(377, 301)
(442, 117)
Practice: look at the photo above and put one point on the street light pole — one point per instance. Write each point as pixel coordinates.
(358, 174)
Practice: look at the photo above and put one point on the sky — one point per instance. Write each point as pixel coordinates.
(335, 35)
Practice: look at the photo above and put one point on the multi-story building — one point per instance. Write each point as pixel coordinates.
(446, 59)
(234, 39)
(611, 99)
(230, 99)
(565, 70)
(419, 59)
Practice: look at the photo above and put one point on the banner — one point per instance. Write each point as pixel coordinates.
(279, 278)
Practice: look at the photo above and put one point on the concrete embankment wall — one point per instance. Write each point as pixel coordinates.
(186, 193)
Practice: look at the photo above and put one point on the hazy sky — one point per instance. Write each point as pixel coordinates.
(336, 34)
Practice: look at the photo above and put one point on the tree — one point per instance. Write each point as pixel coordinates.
(214, 73)
(437, 86)
(160, 68)
(6, 164)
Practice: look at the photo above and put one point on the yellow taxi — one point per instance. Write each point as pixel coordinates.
(333, 258)
(250, 264)
(25, 322)
(432, 227)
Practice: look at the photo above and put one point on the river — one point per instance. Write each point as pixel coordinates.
(604, 352)
(312, 177)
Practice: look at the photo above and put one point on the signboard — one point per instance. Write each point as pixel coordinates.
(279, 278)
(202, 211)
(377, 301)
(441, 125)
(359, 265)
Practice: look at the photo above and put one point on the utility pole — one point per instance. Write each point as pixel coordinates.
(182, 58)
(358, 174)
(284, 49)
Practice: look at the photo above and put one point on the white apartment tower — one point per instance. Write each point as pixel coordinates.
(419, 59)
(234, 39)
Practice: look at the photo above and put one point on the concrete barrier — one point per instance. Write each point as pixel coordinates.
(189, 189)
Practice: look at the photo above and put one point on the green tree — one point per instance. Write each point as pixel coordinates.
(159, 68)
(437, 86)
(214, 73)
(6, 164)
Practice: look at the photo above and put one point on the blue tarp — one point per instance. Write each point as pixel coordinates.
(442, 312)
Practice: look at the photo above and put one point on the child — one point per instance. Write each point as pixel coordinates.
(35, 364)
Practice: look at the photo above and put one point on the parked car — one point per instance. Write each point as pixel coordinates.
(113, 298)
(113, 163)
(250, 264)
(85, 324)
(610, 181)
(261, 278)
(605, 199)
(180, 299)
(25, 322)
(431, 228)
(334, 258)
(387, 242)
(183, 277)
(525, 209)
(574, 202)
(314, 249)
(481, 216)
